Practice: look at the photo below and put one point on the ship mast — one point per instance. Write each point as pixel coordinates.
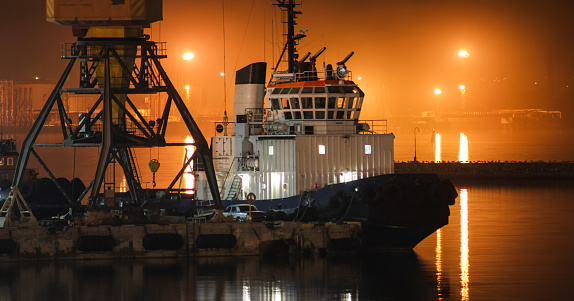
(289, 15)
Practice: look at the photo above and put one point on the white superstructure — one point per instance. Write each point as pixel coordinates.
(304, 136)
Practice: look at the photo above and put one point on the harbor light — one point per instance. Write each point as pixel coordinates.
(187, 56)
(437, 91)
(463, 53)
(187, 87)
(461, 87)
(222, 74)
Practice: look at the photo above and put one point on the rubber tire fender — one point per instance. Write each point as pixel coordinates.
(371, 194)
(338, 204)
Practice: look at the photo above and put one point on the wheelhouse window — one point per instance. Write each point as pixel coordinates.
(319, 102)
(307, 102)
(275, 104)
(307, 90)
(295, 103)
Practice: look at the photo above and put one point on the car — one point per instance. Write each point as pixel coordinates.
(241, 213)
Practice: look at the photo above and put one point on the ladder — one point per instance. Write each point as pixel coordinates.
(27, 218)
(234, 189)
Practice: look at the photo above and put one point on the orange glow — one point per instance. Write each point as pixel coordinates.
(187, 56)
(188, 177)
(463, 53)
(437, 148)
(438, 260)
(464, 260)
(437, 91)
(463, 149)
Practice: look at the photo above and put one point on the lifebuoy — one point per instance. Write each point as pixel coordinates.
(251, 198)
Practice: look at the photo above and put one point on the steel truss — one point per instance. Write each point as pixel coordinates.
(137, 70)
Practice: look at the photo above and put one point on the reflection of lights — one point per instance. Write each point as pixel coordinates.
(187, 56)
(347, 176)
(123, 185)
(348, 297)
(246, 291)
(463, 150)
(188, 176)
(277, 294)
(464, 260)
(437, 147)
(438, 261)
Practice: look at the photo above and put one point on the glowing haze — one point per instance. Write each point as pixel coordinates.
(518, 53)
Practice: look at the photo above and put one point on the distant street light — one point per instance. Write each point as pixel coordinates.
(187, 56)
(462, 99)
(437, 92)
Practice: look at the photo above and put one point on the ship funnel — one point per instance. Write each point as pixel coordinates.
(249, 89)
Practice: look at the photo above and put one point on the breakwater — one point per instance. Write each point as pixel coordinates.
(490, 170)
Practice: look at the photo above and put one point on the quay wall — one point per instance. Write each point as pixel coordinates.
(490, 170)
(177, 240)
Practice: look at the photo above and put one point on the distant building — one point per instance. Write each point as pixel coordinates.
(21, 101)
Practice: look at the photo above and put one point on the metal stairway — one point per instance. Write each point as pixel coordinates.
(232, 194)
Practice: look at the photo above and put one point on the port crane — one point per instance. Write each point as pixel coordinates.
(116, 61)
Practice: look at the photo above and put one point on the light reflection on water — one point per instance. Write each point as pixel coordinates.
(535, 145)
(463, 149)
(518, 236)
(464, 248)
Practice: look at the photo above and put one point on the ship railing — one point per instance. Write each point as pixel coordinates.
(285, 77)
(372, 126)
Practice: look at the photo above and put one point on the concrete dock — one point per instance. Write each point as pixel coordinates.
(177, 240)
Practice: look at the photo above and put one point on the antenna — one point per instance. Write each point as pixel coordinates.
(225, 119)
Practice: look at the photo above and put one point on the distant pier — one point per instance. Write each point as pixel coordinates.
(490, 170)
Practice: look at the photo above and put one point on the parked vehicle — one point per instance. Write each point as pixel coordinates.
(242, 213)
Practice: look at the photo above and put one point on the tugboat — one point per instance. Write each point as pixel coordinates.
(298, 150)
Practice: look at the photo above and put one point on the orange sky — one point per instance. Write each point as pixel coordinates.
(520, 51)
